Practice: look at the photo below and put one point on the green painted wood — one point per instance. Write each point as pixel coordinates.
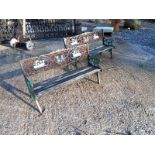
(99, 50)
(52, 84)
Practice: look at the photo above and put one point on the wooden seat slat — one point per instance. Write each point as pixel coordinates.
(71, 77)
(99, 50)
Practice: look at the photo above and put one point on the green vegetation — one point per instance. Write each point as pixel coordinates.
(132, 23)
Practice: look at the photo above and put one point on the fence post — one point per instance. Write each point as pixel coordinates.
(77, 27)
(116, 24)
(24, 27)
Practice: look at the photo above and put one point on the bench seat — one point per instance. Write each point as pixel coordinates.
(99, 50)
(43, 87)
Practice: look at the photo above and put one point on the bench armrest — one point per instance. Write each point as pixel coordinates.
(94, 60)
(108, 42)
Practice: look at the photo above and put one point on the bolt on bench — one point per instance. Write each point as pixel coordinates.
(77, 57)
(98, 44)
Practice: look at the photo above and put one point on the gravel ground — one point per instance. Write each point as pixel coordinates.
(123, 103)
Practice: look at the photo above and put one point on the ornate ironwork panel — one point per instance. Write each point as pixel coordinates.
(55, 59)
(84, 38)
(36, 28)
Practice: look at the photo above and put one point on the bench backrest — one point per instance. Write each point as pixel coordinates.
(84, 38)
(56, 59)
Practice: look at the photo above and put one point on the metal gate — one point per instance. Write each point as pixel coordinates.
(37, 28)
(8, 29)
(49, 28)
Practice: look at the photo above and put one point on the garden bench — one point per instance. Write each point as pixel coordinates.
(108, 30)
(92, 39)
(64, 59)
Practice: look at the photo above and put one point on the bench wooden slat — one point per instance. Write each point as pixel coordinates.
(59, 77)
(51, 85)
(100, 49)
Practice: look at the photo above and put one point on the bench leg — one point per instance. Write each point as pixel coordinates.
(110, 53)
(98, 77)
(39, 107)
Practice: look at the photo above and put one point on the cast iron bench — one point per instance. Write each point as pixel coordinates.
(92, 39)
(77, 58)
